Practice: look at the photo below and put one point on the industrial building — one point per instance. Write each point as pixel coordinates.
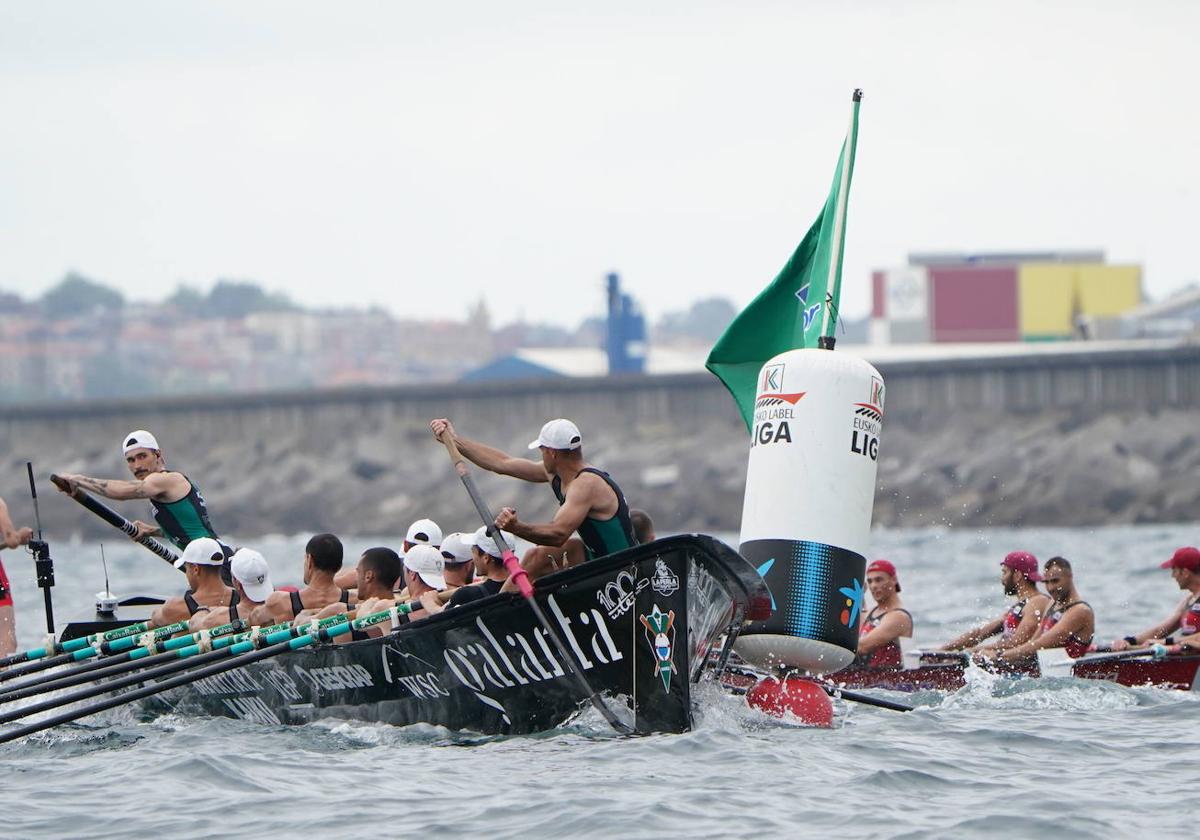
(953, 297)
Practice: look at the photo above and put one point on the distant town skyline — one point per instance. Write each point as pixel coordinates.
(423, 157)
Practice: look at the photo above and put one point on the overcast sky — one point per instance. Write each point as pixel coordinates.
(422, 155)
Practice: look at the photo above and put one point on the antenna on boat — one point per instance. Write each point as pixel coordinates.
(104, 564)
(106, 602)
(41, 555)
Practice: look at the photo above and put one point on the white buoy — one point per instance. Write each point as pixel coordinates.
(810, 490)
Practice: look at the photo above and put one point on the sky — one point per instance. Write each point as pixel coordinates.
(422, 156)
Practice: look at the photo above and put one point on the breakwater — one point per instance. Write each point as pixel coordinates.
(1069, 436)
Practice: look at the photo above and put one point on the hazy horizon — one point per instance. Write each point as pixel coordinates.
(420, 158)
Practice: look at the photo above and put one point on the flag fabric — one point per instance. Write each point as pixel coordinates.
(801, 303)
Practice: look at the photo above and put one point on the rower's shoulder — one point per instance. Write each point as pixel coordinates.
(168, 485)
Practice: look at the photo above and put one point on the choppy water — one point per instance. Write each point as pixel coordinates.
(1055, 758)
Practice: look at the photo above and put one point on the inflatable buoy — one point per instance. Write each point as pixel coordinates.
(804, 699)
(810, 490)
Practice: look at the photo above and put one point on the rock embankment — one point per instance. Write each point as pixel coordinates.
(366, 472)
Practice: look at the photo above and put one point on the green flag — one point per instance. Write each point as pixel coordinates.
(801, 304)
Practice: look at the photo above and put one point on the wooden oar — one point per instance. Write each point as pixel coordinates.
(60, 653)
(237, 659)
(188, 658)
(521, 578)
(866, 699)
(1156, 652)
(147, 653)
(829, 688)
(114, 519)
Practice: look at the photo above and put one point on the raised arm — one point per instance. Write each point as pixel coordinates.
(159, 486)
(891, 627)
(490, 458)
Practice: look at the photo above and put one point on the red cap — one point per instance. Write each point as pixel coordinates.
(1023, 562)
(1184, 558)
(887, 568)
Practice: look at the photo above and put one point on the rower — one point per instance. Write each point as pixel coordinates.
(251, 585)
(201, 561)
(1069, 621)
(179, 507)
(458, 565)
(1185, 620)
(322, 560)
(422, 577)
(1019, 623)
(10, 537)
(643, 527)
(887, 622)
(421, 532)
(489, 568)
(376, 574)
(590, 502)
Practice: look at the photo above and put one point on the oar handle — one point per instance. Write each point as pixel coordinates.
(521, 578)
(113, 518)
(518, 574)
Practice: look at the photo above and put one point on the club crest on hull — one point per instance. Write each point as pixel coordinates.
(660, 633)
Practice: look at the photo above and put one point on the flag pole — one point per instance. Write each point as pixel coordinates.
(826, 340)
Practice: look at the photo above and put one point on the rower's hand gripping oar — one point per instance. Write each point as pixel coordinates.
(113, 518)
(521, 578)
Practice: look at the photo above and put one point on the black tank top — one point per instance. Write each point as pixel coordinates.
(185, 519)
(194, 607)
(298, 605)
(602, 536)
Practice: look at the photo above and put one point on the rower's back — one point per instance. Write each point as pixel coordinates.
(322, 561)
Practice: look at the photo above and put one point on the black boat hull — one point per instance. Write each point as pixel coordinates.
(642, 624)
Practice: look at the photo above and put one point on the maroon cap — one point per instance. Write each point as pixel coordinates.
(1184, 558)
(1023, 562)
(886, 567)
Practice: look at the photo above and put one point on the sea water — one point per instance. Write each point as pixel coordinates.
(1000, 758)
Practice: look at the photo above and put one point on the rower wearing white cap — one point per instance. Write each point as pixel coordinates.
(590, 502)
(201, 562)
(421, 532)
(251, 585)
(179, 507)
(458, 564)
(489, 566)
(422, 574)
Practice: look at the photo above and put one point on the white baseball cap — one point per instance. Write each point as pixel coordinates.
(455, 548)
(558, 434)
(486, 544)
(425, 562)
(203, 551)
(252, 572)
(141, 439)
(424, 532)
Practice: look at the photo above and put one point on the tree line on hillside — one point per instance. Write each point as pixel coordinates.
(77, 295)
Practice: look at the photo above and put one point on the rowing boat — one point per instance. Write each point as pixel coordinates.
(642, 623)
(948, 672)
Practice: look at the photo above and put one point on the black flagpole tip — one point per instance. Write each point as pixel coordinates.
(857, 95)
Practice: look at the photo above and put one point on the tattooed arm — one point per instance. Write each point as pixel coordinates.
(157, 486)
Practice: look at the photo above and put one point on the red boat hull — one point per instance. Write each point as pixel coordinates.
(1172, 672)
